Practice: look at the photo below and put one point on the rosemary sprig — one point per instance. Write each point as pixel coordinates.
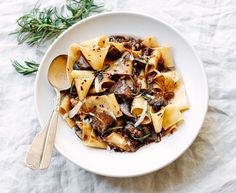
(29, 67)
(40, 25)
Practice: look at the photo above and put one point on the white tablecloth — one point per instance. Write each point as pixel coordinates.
(208, 166)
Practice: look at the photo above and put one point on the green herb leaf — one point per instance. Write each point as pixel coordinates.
(40, 25)
(144, 95)
(111, 129)
(72, 84)
(141, 139)
(28, 68)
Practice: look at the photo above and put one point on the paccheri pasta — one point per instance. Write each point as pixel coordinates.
(125, 92)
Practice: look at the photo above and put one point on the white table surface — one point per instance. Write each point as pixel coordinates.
(208, 166)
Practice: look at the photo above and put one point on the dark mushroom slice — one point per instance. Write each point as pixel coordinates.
(130, 42)
(136, 72)
(101, 121)
(136, 44)
(113, 53)
(151, 77)
(140, 63)
(124, 88)
(158, 101)
(169, 95)
(146, 52)
(82, 64)
(152, 89)
(117, 38)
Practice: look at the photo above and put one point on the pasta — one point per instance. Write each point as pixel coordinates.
(73, 55)
(89, 136)
(125, 92)
(137, 105)
(82, 86)
(180, 99)
(101, 84)
(119, 46)
(171, 116)
(81, 74)
(99, 41)
(122, 66)
(157, 120)
(118, 140)
(141, 80)
(152, 61)
(150, 42)
(64, 110)
(166, 56)
(95, 56)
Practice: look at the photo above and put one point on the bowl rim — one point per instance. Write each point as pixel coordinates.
(36, 94)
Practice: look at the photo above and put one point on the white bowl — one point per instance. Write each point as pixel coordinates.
(150, 157)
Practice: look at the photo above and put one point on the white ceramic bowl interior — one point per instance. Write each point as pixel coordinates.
(150, 157)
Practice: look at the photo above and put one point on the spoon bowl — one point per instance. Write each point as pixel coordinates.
(57, 73)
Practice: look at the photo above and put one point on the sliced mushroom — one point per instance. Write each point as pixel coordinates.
(101, 121)
(158, 101)
(82, 64)
(124, 88)
(113, 53)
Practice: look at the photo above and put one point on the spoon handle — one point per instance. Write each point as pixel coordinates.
(40, 152)
(49, 142)
(34, 154)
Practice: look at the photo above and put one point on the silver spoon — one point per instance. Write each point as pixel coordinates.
(40, 151)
